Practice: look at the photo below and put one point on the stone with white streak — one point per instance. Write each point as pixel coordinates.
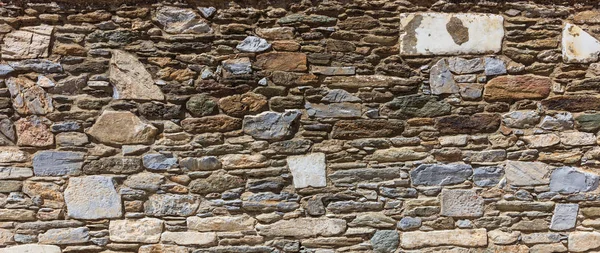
(27, 43)
(146, 230)
(527, 173)
(253, 44)
(130, 79)
(579, 46)
(462, 33)
(179, 20)
(92, 198)
(308, 170)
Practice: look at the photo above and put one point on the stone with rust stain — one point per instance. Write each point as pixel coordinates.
(579, 46)
(27, 97)
(512, 88)
(240, 105)
(34, 131)
(282, 61)
(27, 43)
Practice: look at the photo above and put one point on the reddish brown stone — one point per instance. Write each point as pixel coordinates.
(572, 103)
(283, 61)
(511, 88)
(240, 105)
(465, 124)
(363, 128)
(34, 131)
(217, 123)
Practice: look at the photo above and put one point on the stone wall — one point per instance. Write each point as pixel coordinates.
(299, 126)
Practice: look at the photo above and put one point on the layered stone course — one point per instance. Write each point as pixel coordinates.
(299, 127)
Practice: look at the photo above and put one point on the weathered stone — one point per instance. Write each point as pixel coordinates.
(588, 122)
(578, 103)
(439, 174)
(366, 175)
(240, 105)
(311, 20)
(461, 203)
(559, 121)
(311, 227)
(376, 220)
(358, 81)
(31, 248)
(121, 127)
(541, 140)
(579, 46)
(527, 173)
(206, 163)
(34, 131)
(171, 205)
(217, 123)
(441, 81)
(511, 88)
(409, 223)
(583, 241)
(146, 230)
(180, 20)
(253, 44)
(12, 154)
(503, 238)
(65, 236)
(577, 139)
(242, 161)
(281, 61)
(145, 181)
(57, 163)
(462, 124)
(50, 193)
(412, 106)
(333, 71)
(5, 70)
(487, 176)
(462, 33)
(337, 110)
(71, 139)
(276, 33)
(494, 66)
(271, 125)
(156, 110)
(362, 128)
(201, 105)
(7, 186)
(37, 65)
(398, 155)
(130, 78)
(221, 224)
(154, 248)
(460, 237)
(461, 66)
(117, 165)
(238, 66)
(17, 215)
(308, 170)
(339, 96)
(216, 182)
(570, 180)
(27, 43)
(28, 98)
(15, 172)
(159, 162)
(385, 241)
(92, 197)
(564, 217)
(189, 238)
(521, 119)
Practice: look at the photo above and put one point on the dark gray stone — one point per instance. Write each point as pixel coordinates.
(57, 163)
(570, 180)
(339, 95)
(37, 65)
(118, 165)
(385, 241)
(412, 106)
(465, 66)
(5, 69)
(159, 161)
(440, 174)
(487, 176)
(271, 125)
(361, 175)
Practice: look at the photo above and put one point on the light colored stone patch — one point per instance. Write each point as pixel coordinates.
(27, 43)
(146, 230)
(65, 236)
(527, 173)
(461, 237)
(180, 20)
(571, 180)
(189, 238)
(583, 241)
(120, 127)
(579, 46)
(6, 236)
(308, 170)
(92, 197)
(130, 79)
(304, 227)
(398, 155)
(243, 161)
(171, 205)
(463, 33)
(564, 217)
(12, 154)
(15, 172)
(461, 203)
(31, 248)
(159, 248)
(221, 224)
(577, 138)
(541, 140)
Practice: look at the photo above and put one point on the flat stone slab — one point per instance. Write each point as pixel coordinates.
(461, 237)
(304, 227)
(570, 180)
(308, 170)
(579, 46)
(92, 197)
(564, 217)
(57, 163)
(461, 203)
(527, 173)
(31, 248)
(146, 230)
(454, 33)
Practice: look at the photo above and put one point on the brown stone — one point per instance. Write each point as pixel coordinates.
(90, 17)
(572, 103)
(34, 131)
(276, 33)
(285, 45)
(217, 123)
(363, 128)
(27, 43)
(589, 17)
(50, 193)
(69, 49)
(282, 61)
(511, 88)
(240, 105)
(477, 123)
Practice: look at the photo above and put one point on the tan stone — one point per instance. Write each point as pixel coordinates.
(242, 161)
(130, 78)
(217, 123)
(31, 248)
(49, 192)
(583, 241)
(121, 127)
(27, 43)
(541, 140)
(34, 131)
(240, 105)
(189, 238)
(17, 215)
(146, 230)
(221, 224)
(304, 227)
(90, 17)
(276, 33)
(398, 155)
(462, 237)
(283, 61)
(161, 248)
(6, 236)
(510, 88)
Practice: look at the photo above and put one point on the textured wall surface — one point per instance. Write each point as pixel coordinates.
(300, 126)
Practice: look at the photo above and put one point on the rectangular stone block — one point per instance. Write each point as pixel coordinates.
(450, 34)
(146, 230)
(308, 170)
(463, 237)
(304, 227)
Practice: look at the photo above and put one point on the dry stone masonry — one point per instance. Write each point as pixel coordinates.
(299, 126)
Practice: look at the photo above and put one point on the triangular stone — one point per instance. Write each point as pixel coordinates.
(579, 46)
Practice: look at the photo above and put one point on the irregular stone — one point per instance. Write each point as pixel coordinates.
(34, 131)
(503, 238)
(577, 138)
(8, 186)
(242, 161)
(29, 98)
(27, 43)
(464, 66)
(362, 128)
(583, 241)
(308, 170)
(385, 241)
(5, 70)
(238, 66)
(541, 140)
(494, 66)
(487, 176)
(512, 88)
(201, 105)
(189, 238)
(462, 33)
(521, 119)
(207, 12)
(153, 248)
(15, 172)
(253, 44)
(206, 163)
(409, 223)
(281, 61)
(440, 174)
(145, 181)
(376, 220)
(240, 105)
(92, 198)
(578, 46)
(398, 155)
(558, 121)
(311, 20)
(527, 173)
(541, 248)
(588, 122)
(13, 215)
(57, 163)
(359, 81)
(49, 193)
(179, 20)
(364, 175)
(63, 236)
(441, 81)
(221, 224)
(122, 127)
(12, 154)
(130, 79)
(406, 107)
(159, 161)
(577, 103)
(291, 147)
(337, 110)
(71, 139)
(586, 17)
(31, 248)
(463, 124)
(339, 96)
(146, 230)
(271, 125)
(171, 205)
(564, 217)
(37, 65)
(276, 33)
(459, 237)
(217, 123)
(312, 227)
(217, 182)
(117, 165)
(570, 180)
(156, 110)
(333, 71)
(461, 203)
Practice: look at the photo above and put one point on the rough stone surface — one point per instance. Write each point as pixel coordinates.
(313, 227)
(114, 127)
(57, 163)
(27, 43)
(461, 203)
(527, 173)
(308, 170)
(253, 44)
(146, 230)
(579, 46)
(511, 88)
(180, 20)
(271, 125)
(31, 248)
(92, 197)
(130, 78)
(171, 205)
(221, 224)
(29, 98)
(439, 174)
(571, 180)
(564, 217)
(385, 241)
(462, 237)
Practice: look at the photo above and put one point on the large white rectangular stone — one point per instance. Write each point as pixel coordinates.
(308, 170)
(450, 34)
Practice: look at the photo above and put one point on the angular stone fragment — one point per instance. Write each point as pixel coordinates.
(15, 172)
(512, 88)
(145, 181)
(206, 163)
(13, 215)
(398, 155)
(461, 203)
(217, 182)
(276, 33)
(171, 205)
(117, 165)
(337, 110)
(521, 119)
(465, 66)
(12, 154)
(50, 193)
(221, 224)
(362, 128)
(217, 123)
(440, 174)
(159, 161)
(121, 127)
(308, 170)
(92, 197)
(441, 81)
(494, 66)
(65, 236)
(27, 43)
(462, 33)
(282, 61)
(146, 230)
(527, 173)
(411, 106)
(385, 241)
(130, 78)
(154, 248)
(271, 125)
(180, 20)
(364, 175)
(29, 98)
(201, 105)
(564, 217)
(541, 140)
(311, 20)
(311, 227)
(238, 66)
(459, 237)
(243, 161)
(189, 238)
(579, 46)
(31, 248)
(240, 105)
(463, 124)
(570, 180)
(339, 96)
(34, 131)
(583, 241)
(577, 138)
(253, 44)
(487, 176)
(333, 71)
(559, 121)
(57, 163)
